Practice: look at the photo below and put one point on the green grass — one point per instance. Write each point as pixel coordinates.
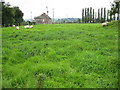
(60, 56)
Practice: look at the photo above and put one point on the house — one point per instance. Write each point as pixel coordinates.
(43, 19)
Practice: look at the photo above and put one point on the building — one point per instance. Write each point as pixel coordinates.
(43, 19)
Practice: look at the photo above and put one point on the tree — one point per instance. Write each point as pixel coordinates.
(108, 15)
(90, 14)
(83, 18)
(98, 15)
(63, 21)
(79, 20)
(115, 9)
(101, 15)
(104, 14)
(11, 15)
(93, 15)
(18, 16)
(87, 14)
(7, 19)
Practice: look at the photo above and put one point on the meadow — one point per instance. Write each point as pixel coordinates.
(60, 56)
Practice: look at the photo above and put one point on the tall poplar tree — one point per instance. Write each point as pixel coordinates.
(90, 14)
(85, 16)
(107, 15)
(104, 14)
(101, 15)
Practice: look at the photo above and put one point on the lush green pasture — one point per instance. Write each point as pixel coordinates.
(60, 56)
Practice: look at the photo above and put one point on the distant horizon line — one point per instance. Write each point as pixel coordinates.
(62, 18)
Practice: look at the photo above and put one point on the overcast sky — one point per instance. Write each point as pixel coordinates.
(62, 8)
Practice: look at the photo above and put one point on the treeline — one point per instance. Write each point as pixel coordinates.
(90, 16)
(11, 15)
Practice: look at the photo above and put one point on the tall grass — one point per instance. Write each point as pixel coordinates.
(60, 56)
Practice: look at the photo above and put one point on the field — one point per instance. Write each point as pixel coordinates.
(60, 56)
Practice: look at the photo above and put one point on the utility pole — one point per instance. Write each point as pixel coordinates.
(53, 16)
(31, 15)
(47, 13)
(47, 9)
